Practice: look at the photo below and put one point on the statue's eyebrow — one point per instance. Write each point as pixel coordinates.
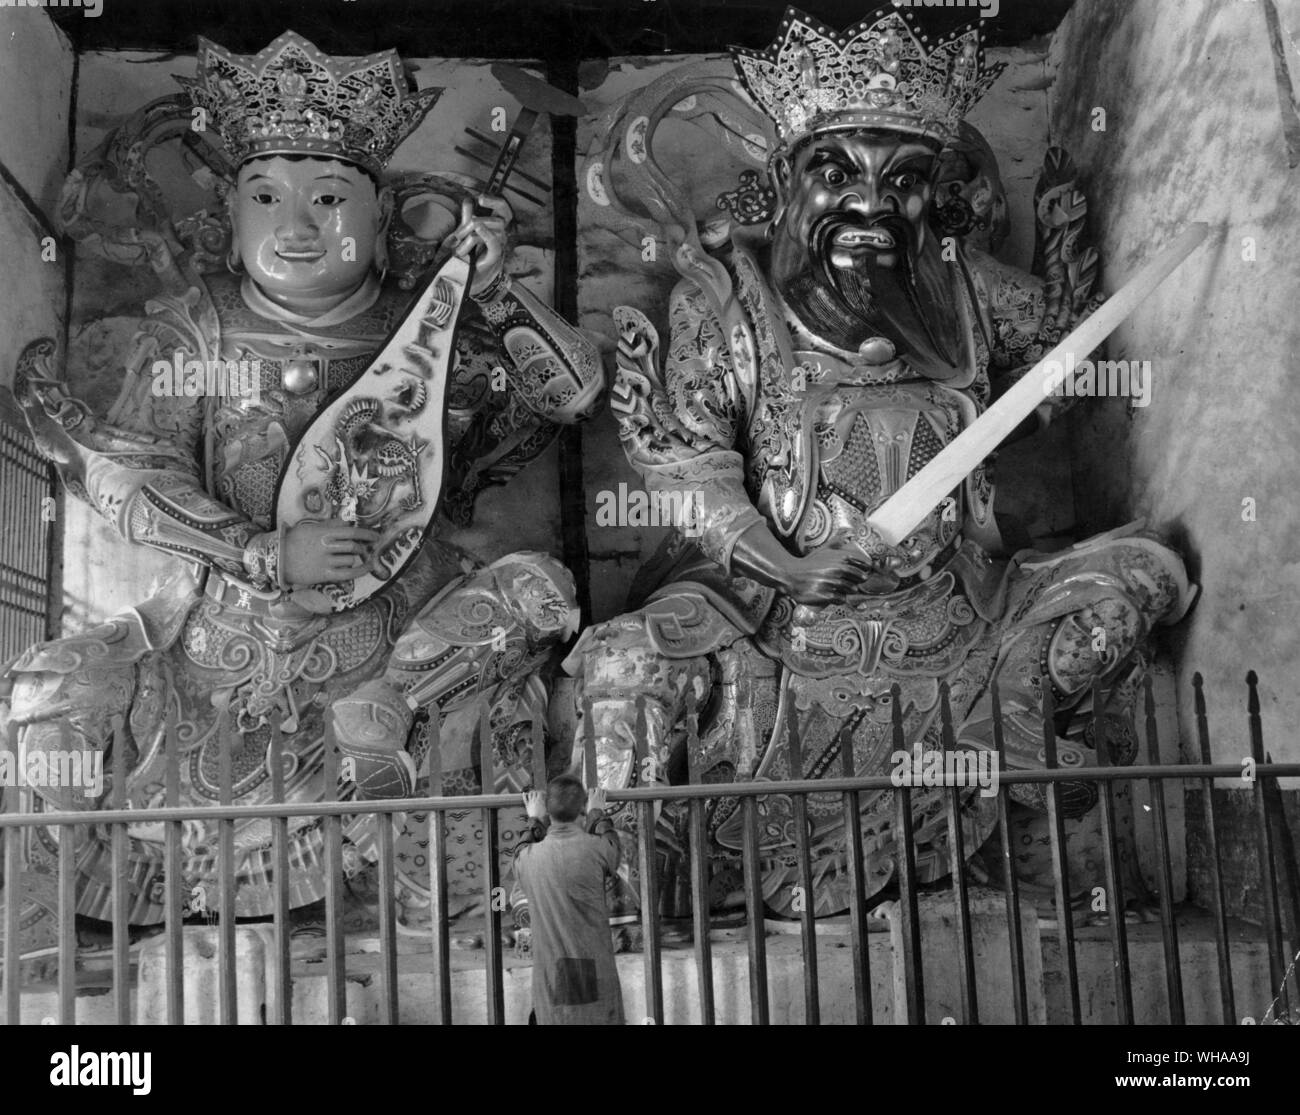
(332, 178)
(922, 159)
(824, 155)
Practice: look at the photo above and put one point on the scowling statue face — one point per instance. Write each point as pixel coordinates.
(852, 253)
(308, 230)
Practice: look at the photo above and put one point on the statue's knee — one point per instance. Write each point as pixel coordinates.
(538, 593)
(57, 760)
(618, 669)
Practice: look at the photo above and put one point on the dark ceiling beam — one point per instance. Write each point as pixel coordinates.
(499, 28)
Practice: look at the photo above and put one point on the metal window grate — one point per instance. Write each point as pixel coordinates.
(28, 490)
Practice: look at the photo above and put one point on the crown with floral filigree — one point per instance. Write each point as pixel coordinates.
(292, 98)
(882, 72)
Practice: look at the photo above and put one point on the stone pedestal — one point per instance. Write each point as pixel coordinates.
(940, 945)
(254, 982)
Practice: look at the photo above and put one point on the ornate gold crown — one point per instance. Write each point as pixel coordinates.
(879, 73)
(292, 98)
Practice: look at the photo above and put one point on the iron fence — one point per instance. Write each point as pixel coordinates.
(332, 813)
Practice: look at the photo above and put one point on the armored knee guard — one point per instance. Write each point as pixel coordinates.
(492, 627)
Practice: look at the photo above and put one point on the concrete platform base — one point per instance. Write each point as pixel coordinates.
(1045, 981)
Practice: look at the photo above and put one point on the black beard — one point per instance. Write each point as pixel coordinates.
(909, 301)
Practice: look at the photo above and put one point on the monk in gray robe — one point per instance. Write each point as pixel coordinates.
(563, 872)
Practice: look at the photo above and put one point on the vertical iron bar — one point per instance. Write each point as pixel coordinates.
(1060, 864)
(860, 940)
(908, 911)
(957, 867)
(589, 745)
(700, 905)
(1268, 880)
(803, 855)
(1284, 844)
(174, 894)
(67, 907)
(335, 972)
(1115, 900)
(389, 1011)
(121, 883)
(438, 879)
(492, 937)
(1010, 883)
(13, 891)
(1169, 928)
(496, 993)
(648, 772)
(758, 1005)
(228, 1006)
(539, 751)
(283, 1014)
(1226, 996)
(67, 924)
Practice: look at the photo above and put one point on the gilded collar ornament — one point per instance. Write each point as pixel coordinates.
(292, 98)
(880, 73)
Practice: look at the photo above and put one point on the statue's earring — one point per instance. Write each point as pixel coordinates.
(777, 218)
(381, 258)
(232, 261)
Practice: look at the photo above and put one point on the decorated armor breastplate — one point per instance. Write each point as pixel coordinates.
(296, 370)
(868, 441)
(830, 440)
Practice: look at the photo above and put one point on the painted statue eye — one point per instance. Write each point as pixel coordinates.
(835, 177)
(262, 197)
(328, 199)
(906, 180)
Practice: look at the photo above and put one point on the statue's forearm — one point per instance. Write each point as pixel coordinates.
(172, 513)
(553, 366)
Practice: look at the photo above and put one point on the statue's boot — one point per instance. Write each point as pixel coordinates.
(617, 667)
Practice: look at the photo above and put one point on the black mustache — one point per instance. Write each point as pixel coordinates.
(829, 225)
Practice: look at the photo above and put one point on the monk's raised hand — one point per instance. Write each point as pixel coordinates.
(535, 804)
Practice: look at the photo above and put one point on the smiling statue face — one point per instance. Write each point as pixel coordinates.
(306, 229)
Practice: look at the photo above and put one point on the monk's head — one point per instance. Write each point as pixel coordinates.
(566, 798)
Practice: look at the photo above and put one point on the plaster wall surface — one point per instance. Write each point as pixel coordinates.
(34, 298)
(36, 91)
(35, 87)
(103, 574)
(1194, 131)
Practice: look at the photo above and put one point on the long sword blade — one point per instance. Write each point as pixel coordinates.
(899, 515)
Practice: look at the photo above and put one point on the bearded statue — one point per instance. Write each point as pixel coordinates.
(848, 324)
(306, 508)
